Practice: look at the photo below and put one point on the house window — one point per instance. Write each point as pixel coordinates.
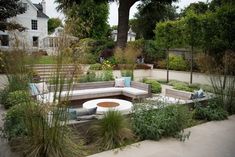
(4, 40)
(34, 24)
(35, 41)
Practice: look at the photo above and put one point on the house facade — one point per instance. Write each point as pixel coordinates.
(35, 21)
(130, 36)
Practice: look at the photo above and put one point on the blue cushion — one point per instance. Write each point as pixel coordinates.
(72, 114)
(33, 89)
(127, 81)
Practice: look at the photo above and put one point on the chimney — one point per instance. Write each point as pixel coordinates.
(43, 6)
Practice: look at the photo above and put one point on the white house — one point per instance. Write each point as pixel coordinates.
(34, 20)
(130, 36)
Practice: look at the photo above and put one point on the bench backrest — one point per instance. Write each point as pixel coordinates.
(178, 94)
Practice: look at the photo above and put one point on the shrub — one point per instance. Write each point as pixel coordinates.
(155, 86)
(213, 111)
(14, 122)
(112, 131)
(177, 63)
(16, 97)
(182, 86)
(161, 64)
(153, 124)
(96, 66)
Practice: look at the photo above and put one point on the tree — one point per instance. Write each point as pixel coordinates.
(149, 13)
(197, 8)
(123, 14)
(88, 19)
(8, 9)
(167, 37)
(53, 23)
(192, 34)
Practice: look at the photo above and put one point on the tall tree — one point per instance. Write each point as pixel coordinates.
(88, 19)
(8, 9)
(149, 13)
(53, 23)
(123, 14)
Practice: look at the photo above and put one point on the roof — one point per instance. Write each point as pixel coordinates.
(40, 11)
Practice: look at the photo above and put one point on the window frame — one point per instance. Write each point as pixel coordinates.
(34, 24)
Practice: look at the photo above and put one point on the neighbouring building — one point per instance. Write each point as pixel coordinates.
(130, 36)
(35, 21)
(52, 42)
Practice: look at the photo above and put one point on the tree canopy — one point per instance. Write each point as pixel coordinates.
(88, 19)
(123, 14)
(8, 9)
(53, 23)
(149, 13)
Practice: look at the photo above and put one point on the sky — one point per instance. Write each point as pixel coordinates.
(113, 10)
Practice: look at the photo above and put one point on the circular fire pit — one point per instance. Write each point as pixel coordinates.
(108, 104)
(104, 105)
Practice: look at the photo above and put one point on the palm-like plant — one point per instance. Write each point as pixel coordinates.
(112, 131)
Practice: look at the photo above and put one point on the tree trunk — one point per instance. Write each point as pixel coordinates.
(123, 20)
(167, 66)
(191, 68)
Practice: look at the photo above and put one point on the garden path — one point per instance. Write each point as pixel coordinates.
(211, 139)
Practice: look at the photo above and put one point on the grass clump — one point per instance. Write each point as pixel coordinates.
(112, 131)
(155, 86)
(16, 97)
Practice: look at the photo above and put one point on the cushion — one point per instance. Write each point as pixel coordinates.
(33, 89)
(119, 82)
(127, 81)
(88, 117)
(134, 91)
(84, 112)
(42, 87)
(200, 93)
(72, 114)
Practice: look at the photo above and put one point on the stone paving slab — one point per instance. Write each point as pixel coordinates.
(212, 139)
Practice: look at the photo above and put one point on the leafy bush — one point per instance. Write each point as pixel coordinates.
(177, 63)
(213, 111)
(112, 131)
(16, 97)
(182, 86)
(96, 66)
(161, 64)
(155, 86)
(14, 125)
(152, 51)
(153, 124)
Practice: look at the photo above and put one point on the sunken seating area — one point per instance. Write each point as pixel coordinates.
(92, 90)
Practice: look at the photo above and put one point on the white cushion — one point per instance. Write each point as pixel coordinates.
(134, 91)
(120, 82)
(42, 87)
(48, 98)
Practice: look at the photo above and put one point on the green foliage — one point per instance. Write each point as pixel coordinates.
(89, 50)
(149, 13)
(10, 8)
(155, 86)
(88, 19)
(14, 125)
(53, 23)
(182, 86)
(96, 66)
(112, 131)
(153, 124)
(177, 63)
(213, 111)
(16, 98)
